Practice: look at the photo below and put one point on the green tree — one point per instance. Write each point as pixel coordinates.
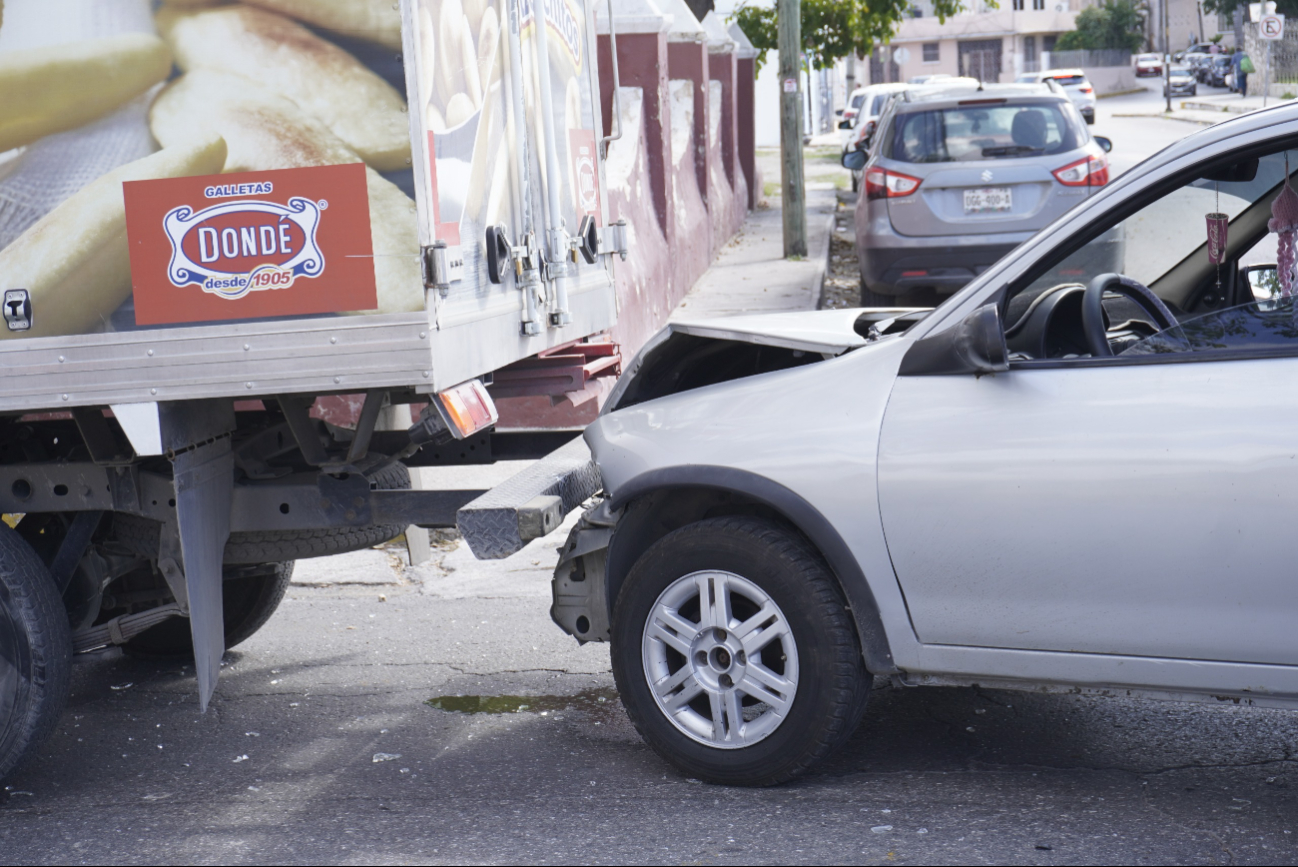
(1288, 8)
(1115, 24)
(833, 29)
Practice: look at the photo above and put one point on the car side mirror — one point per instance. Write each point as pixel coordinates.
(1263, 281)
(854, 159)
(844, 124)
(838, 111)
(976, 345)
(1105, 143)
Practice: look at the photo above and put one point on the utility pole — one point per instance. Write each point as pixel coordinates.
(1167, 61)
(789, 19)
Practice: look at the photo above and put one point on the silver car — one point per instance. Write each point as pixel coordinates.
(955, 179)
(1063, 479)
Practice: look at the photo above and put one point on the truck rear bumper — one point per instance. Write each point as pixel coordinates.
(531, 504)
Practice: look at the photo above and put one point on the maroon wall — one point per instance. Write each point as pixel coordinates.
(642, 63)
(689, 61)
(745, 126)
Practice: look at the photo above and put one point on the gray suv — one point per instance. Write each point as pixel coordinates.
(955, 178)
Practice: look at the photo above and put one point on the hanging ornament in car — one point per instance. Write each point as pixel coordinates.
(1218, 223)
(1284, 222)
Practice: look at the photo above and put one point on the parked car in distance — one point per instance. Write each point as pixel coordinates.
(1181, 82)
(873, 100)
(1217, 70)
(1149, 64)
(848, 113)
(929, 79)
(1075, 86)
(958, 177)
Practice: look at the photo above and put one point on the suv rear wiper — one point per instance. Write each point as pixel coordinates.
(1011, 150)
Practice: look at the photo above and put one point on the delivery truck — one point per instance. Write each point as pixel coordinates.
(219, 223)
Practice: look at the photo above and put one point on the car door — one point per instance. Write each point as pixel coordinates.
(1138, 507)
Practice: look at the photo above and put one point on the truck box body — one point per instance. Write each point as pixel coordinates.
(298, 262)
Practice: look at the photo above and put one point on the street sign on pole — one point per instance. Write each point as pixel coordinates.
(1271, 28)
(900, 55)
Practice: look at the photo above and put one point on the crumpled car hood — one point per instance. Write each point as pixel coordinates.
(690, 354)
(825, 331)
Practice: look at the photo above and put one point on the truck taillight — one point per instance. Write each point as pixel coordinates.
(883, 184)
(466, 408)
(1092, 171)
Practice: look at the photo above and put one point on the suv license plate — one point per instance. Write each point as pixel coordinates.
(987, 199)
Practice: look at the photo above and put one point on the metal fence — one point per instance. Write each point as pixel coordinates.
(1085, 59)
(1283, 61)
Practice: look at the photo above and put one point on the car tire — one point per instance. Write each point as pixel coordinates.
(813, 674)
(249, 596)
(35, 652)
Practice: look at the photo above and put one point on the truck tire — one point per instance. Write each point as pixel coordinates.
(35, 652)
(140, 535)
(249, 597)
(710, 693)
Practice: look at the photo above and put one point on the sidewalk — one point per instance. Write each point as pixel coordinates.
(1210, 109)
(751, 275)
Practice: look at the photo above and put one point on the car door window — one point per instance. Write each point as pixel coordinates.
(1164, 246)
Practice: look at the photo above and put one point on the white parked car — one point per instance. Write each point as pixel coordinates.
(1075, 86)
(1069, 477)
(872, 101)
(1149, 64)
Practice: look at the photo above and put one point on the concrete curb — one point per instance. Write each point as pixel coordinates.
(1120, 93)
(821, 257)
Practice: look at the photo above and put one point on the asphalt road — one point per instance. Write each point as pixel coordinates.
(1136, 138)
(321, 746)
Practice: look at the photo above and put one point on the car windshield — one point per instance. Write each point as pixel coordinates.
(982, 132)
(1180, 71)
(1147, 57)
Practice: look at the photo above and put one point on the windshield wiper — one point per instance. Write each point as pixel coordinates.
(1011, 150)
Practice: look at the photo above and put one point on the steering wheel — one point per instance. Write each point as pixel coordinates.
(1093, 323)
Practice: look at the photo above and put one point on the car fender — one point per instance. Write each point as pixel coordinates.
(799, 513)
(803, 442)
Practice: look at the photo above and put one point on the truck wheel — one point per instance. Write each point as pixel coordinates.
(35, 651)
(272, 546)
(250, 596)
(734, 653)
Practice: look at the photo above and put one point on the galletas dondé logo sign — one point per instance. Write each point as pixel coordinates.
(248, 245)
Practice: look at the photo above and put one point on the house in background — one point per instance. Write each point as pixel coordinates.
(984, 43)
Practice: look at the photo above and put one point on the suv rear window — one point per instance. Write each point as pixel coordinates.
(982, 132)
(1069, 79)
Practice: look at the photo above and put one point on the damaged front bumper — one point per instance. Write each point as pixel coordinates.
(580, 586)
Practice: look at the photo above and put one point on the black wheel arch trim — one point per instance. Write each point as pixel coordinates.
(798, 512)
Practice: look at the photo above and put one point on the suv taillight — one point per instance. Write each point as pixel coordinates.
(883, 184)
(1086, 88)
(1090, 172)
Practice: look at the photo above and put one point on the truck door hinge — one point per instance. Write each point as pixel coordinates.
(613, 239)
(443, 266)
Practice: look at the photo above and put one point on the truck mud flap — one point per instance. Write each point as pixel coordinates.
(531, 504)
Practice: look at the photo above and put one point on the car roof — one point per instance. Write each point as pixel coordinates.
(954, 95)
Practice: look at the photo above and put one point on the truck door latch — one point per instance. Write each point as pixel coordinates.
(18, 310)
